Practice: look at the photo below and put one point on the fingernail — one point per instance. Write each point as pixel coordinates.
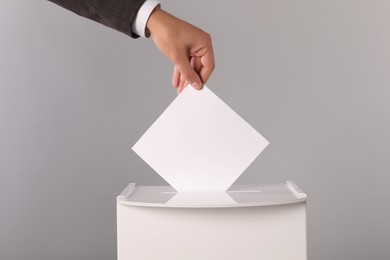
(196, 85)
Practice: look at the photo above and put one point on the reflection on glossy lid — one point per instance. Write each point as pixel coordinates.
(236, 196)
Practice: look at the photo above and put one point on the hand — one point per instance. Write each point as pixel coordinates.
(187, 46)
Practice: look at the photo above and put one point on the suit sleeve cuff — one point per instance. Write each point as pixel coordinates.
(139, 24)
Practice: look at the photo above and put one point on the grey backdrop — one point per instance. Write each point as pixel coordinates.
(312, 76)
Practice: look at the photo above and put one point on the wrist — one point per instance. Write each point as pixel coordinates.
(156, 19)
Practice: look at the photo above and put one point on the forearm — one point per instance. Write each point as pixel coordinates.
(116, 14)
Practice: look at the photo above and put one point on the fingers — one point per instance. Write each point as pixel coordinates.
(207, 66)
(180, 89)
(193, 67)
(175, 77)
(186, 71)
(204, 60)
(203, 66)
(183, 82)
(178, 81)
(196, 64)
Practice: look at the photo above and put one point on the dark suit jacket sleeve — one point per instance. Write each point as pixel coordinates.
(117, 14)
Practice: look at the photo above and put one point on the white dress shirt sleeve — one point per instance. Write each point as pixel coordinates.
(139, 25)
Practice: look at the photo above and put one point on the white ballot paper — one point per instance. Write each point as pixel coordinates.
(199, 144)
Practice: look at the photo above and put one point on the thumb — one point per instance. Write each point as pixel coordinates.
(187, 72)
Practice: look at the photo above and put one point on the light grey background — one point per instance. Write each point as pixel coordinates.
(312, 76)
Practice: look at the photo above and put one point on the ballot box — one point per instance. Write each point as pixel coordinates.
(246, 222)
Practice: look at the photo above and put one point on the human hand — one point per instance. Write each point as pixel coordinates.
(188, 47)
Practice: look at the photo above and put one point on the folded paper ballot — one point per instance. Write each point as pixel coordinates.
(199, 144)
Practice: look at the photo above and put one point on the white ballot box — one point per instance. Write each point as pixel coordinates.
(244, 223)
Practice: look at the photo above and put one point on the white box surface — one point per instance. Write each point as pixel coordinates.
(257, 222)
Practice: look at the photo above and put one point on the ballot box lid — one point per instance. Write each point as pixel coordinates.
(236, 196)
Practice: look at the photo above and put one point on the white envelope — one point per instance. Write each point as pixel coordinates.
(199, 144)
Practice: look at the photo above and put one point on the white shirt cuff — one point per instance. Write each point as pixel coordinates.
(139, 25)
